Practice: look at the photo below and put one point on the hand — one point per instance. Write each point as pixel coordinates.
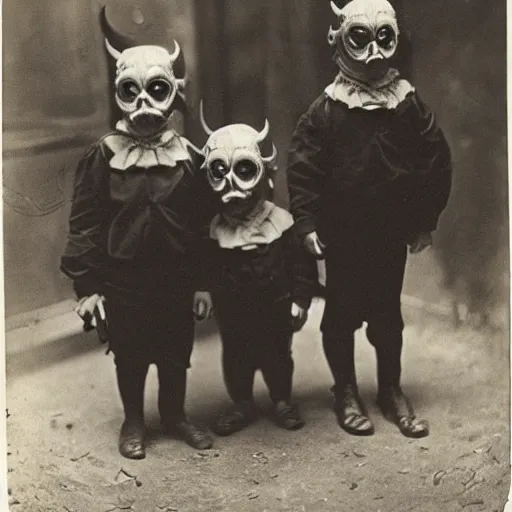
(86, 307)
(299, 317)
(203, 306)
(314, 245)
(420, 243)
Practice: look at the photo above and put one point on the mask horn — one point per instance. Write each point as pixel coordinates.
(206, 128)
(113, 52)
(336, 10)
(112, 37)
(271, 160)
(264, 133)
(176, 53)
(333, 35)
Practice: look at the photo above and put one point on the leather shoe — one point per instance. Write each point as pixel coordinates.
(397, 408)
(350, 412)
(192, 434)
(131, 440)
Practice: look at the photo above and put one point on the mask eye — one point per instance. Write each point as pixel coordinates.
(128, 91)
(359, 37)
(386, 37)
(159, 89)
(246, 170)
(218, 169)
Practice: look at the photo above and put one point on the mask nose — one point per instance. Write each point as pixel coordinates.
(143, 99)
(373, 52)
(229, 180)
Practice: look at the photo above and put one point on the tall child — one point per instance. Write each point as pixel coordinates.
(369, 174)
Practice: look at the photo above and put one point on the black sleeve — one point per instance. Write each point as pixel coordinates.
(82, 254)
(434, 163)
(306, 171)
(302, 268)
(202, 211)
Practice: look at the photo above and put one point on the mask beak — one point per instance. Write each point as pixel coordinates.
(373, 53)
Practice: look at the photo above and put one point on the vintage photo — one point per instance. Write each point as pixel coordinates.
(256, 256)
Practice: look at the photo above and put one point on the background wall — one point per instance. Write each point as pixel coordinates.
(250, 60)
(57, 100)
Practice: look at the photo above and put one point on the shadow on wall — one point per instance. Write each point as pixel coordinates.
(469, 96)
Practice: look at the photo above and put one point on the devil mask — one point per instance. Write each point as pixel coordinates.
(235, 168)
(365, 40)
(145, 85)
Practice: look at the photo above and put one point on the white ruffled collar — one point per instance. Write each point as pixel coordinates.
(167, 149)
(388, 93)
(261, 229)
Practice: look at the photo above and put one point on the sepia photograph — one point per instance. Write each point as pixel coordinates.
(255, 256)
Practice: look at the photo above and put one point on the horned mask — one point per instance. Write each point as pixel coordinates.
(366, 38)
(234, 164)
(145, 84)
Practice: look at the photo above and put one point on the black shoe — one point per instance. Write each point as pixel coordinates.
(236, 418)
(131, 440)
(350, 412)
(397, 408)
(287, 416)
(192, 434)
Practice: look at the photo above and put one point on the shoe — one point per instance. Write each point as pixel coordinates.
(192, 434)
(287, 416)
(350, 412)
(397, 408)
(236, 418)
(131, 440)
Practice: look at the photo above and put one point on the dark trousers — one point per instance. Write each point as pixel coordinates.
(364, 284)
(256, 334)
(154, 329)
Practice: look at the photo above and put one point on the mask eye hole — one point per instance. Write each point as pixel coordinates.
(159, 89)
(386, 37)
(359, 37)
(128, 90)
(246, 170)
(218, 169)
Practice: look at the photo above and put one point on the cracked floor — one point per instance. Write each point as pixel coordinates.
(65, 414)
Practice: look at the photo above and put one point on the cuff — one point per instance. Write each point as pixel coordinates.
(304, 226)
(302, 301)
(86, 286)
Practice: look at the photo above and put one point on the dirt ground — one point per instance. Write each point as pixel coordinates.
(65, 415)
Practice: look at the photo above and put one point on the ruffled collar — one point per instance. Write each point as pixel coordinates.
(167, 149)
(387, 93)
(266, 225)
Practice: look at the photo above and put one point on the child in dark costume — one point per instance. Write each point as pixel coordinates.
(263, 279)
(136, 209)
(369, 173)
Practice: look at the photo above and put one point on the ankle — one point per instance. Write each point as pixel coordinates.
(136, 421)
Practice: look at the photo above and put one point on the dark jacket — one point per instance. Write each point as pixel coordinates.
(353, 172)
(130, 227)
(281, 269)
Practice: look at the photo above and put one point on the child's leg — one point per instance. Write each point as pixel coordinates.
(277, 370)
(238, 366)
(132, 362)
(349, 409)
(172, 385)
(347, 267)
(131, 377)
(238, 369)
(276, 362)
(385, 326)
(171, 354)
